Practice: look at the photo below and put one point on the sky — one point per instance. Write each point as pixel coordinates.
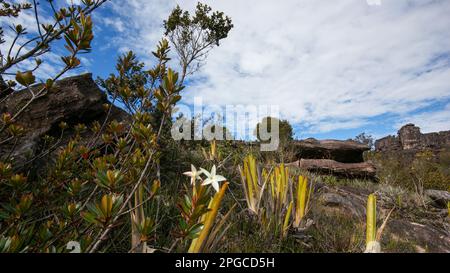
(334, 68)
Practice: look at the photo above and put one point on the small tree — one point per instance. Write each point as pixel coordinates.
(285, 129)
(194, 36)
(150, 95)
(365, 139)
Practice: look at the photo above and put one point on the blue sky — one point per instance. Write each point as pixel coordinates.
(335, 68)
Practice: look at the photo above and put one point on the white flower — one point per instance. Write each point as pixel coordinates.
(193, 174)
(212, 178)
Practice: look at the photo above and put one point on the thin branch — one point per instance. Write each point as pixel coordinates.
(48, 40)
(36, 15)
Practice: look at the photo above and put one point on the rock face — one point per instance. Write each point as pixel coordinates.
(410, 138)
(439, 199)
(341, 151)
(430, 234)
(389, 143)
(363, 170)
(73, 100)
(334, 157)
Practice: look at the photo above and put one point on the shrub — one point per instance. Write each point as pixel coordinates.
(104, 196)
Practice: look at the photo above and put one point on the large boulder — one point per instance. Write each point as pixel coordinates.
(388, 144)
(439, 199)
(364, 170)
(73, 100)
(342, 151)
(410, 137)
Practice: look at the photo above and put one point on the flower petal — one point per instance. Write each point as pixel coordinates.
(220, 178)
(205, 172)
(198, 173)
(216, 186)
(207, 181)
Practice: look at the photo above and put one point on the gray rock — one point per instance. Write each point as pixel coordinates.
(410, 138)
(429, 234)
(424, 238)
(439, 199)
(341, 151)
(365, 170)
(345, 202)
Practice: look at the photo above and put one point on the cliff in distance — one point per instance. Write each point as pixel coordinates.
(410, 138)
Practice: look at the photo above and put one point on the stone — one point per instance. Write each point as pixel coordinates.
(431, 234)
(389, 143)
(425, 238)
(364, 170)
(410, 138)
(439, 199)
(331, 199)
(342, 151)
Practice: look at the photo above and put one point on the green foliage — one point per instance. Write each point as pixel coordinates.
(192, 207)
(198, 243)
(270, 196)
(25, 79)
(285, 129)
(365, 139)
(216, 25)
(448, 209)
(371, 222)
(102, 213)
(335, 232)
(122, 190)
(429, 173)
(302, 200)
(414, 172)
(252, 184)
(5, 243)
(109, 179)
(9, 9)
(198, 211)
(98, 191)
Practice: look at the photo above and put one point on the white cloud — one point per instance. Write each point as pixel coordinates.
(328, 64)
(329, 126)
(116, 24)
(430, 121)
(73, 2)
(143, 22)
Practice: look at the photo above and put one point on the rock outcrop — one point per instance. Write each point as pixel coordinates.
(410, 138)
(341, 151)
(364, 170)
(334, 157)
(73, 100)
(438, 199)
